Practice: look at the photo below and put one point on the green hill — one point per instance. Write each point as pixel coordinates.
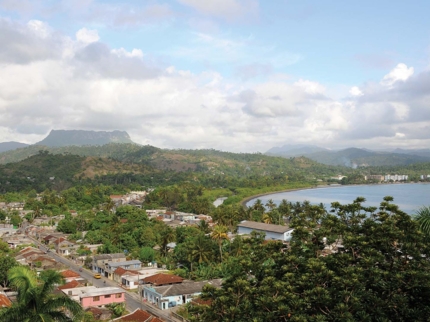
(354, 157)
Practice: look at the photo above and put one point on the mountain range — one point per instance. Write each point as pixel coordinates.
(7, 146)
(353, 157)
(119, 143)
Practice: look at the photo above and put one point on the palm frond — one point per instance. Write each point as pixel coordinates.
(422, 216)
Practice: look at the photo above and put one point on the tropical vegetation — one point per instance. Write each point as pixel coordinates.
(35, 300)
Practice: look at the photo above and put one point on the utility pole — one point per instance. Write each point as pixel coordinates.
(140, 290)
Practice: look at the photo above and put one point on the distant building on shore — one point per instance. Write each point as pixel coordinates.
(387, 177)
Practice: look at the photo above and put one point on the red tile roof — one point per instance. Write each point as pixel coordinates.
(157, 319)
(124, 220)
(43, 258)
(4, 301)
(137, 316)
(26, 249)
(59, 240)
(71, 284)
(163, 279)
(32, 253)
(68, 273)
(121, 271)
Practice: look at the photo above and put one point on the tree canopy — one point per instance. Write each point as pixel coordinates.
(378, 271)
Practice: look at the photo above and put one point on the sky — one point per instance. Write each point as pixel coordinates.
(232, 75)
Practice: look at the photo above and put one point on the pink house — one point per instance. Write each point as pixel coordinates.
(102, 296)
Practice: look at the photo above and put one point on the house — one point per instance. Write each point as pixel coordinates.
(65, 247)
(102, 296)
(136, 203)
(15, 206)
(129, 279)
(120, 272)
(273, 232)
(51, 238)
(27, 255)
(71, 284)
(162, 279)
(17, 240)
(42, 261)
(110, 267)
(99, 261)
(73, 213)
(167, 296)
(92, 296)
(70, 275)
(138, 315)
(74, 292)
(93, 247)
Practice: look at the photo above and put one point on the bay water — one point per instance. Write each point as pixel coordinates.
(408, 196)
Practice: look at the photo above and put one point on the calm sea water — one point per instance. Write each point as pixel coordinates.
(408, 196)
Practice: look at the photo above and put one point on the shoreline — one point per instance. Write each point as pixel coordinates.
(244, 201)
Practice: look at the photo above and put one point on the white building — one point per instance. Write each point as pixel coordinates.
(396, 177)
(273, 232)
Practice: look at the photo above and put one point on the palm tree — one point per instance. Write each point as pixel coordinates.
(422, 215)
(267, 218)
(200, 250)
(166, 236)
(203, 226)
(219, 233)
(35, 301)
(270, 204)
(258, 205)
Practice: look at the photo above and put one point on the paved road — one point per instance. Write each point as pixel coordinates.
(132, 300)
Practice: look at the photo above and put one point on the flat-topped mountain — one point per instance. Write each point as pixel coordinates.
(7, 146)
(78, 137)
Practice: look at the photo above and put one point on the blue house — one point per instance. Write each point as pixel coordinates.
(167, 296)
(273, 232)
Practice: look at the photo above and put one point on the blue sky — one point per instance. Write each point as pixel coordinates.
(238, 75)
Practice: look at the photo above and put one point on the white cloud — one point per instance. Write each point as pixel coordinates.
(87, 36)
(310, 87)
(97, 87)
(227, 9)
(40, 28)
(122, 52)
(355, 91)
(400, 73)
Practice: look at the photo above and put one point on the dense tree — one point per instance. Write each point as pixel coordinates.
(6, 263)
(67, 226)
(381, 272)
(146, 254)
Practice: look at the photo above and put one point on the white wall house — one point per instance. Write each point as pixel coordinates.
(273, 232)
(168, 296)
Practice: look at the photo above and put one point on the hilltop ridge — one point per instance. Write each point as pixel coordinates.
(58, 138)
